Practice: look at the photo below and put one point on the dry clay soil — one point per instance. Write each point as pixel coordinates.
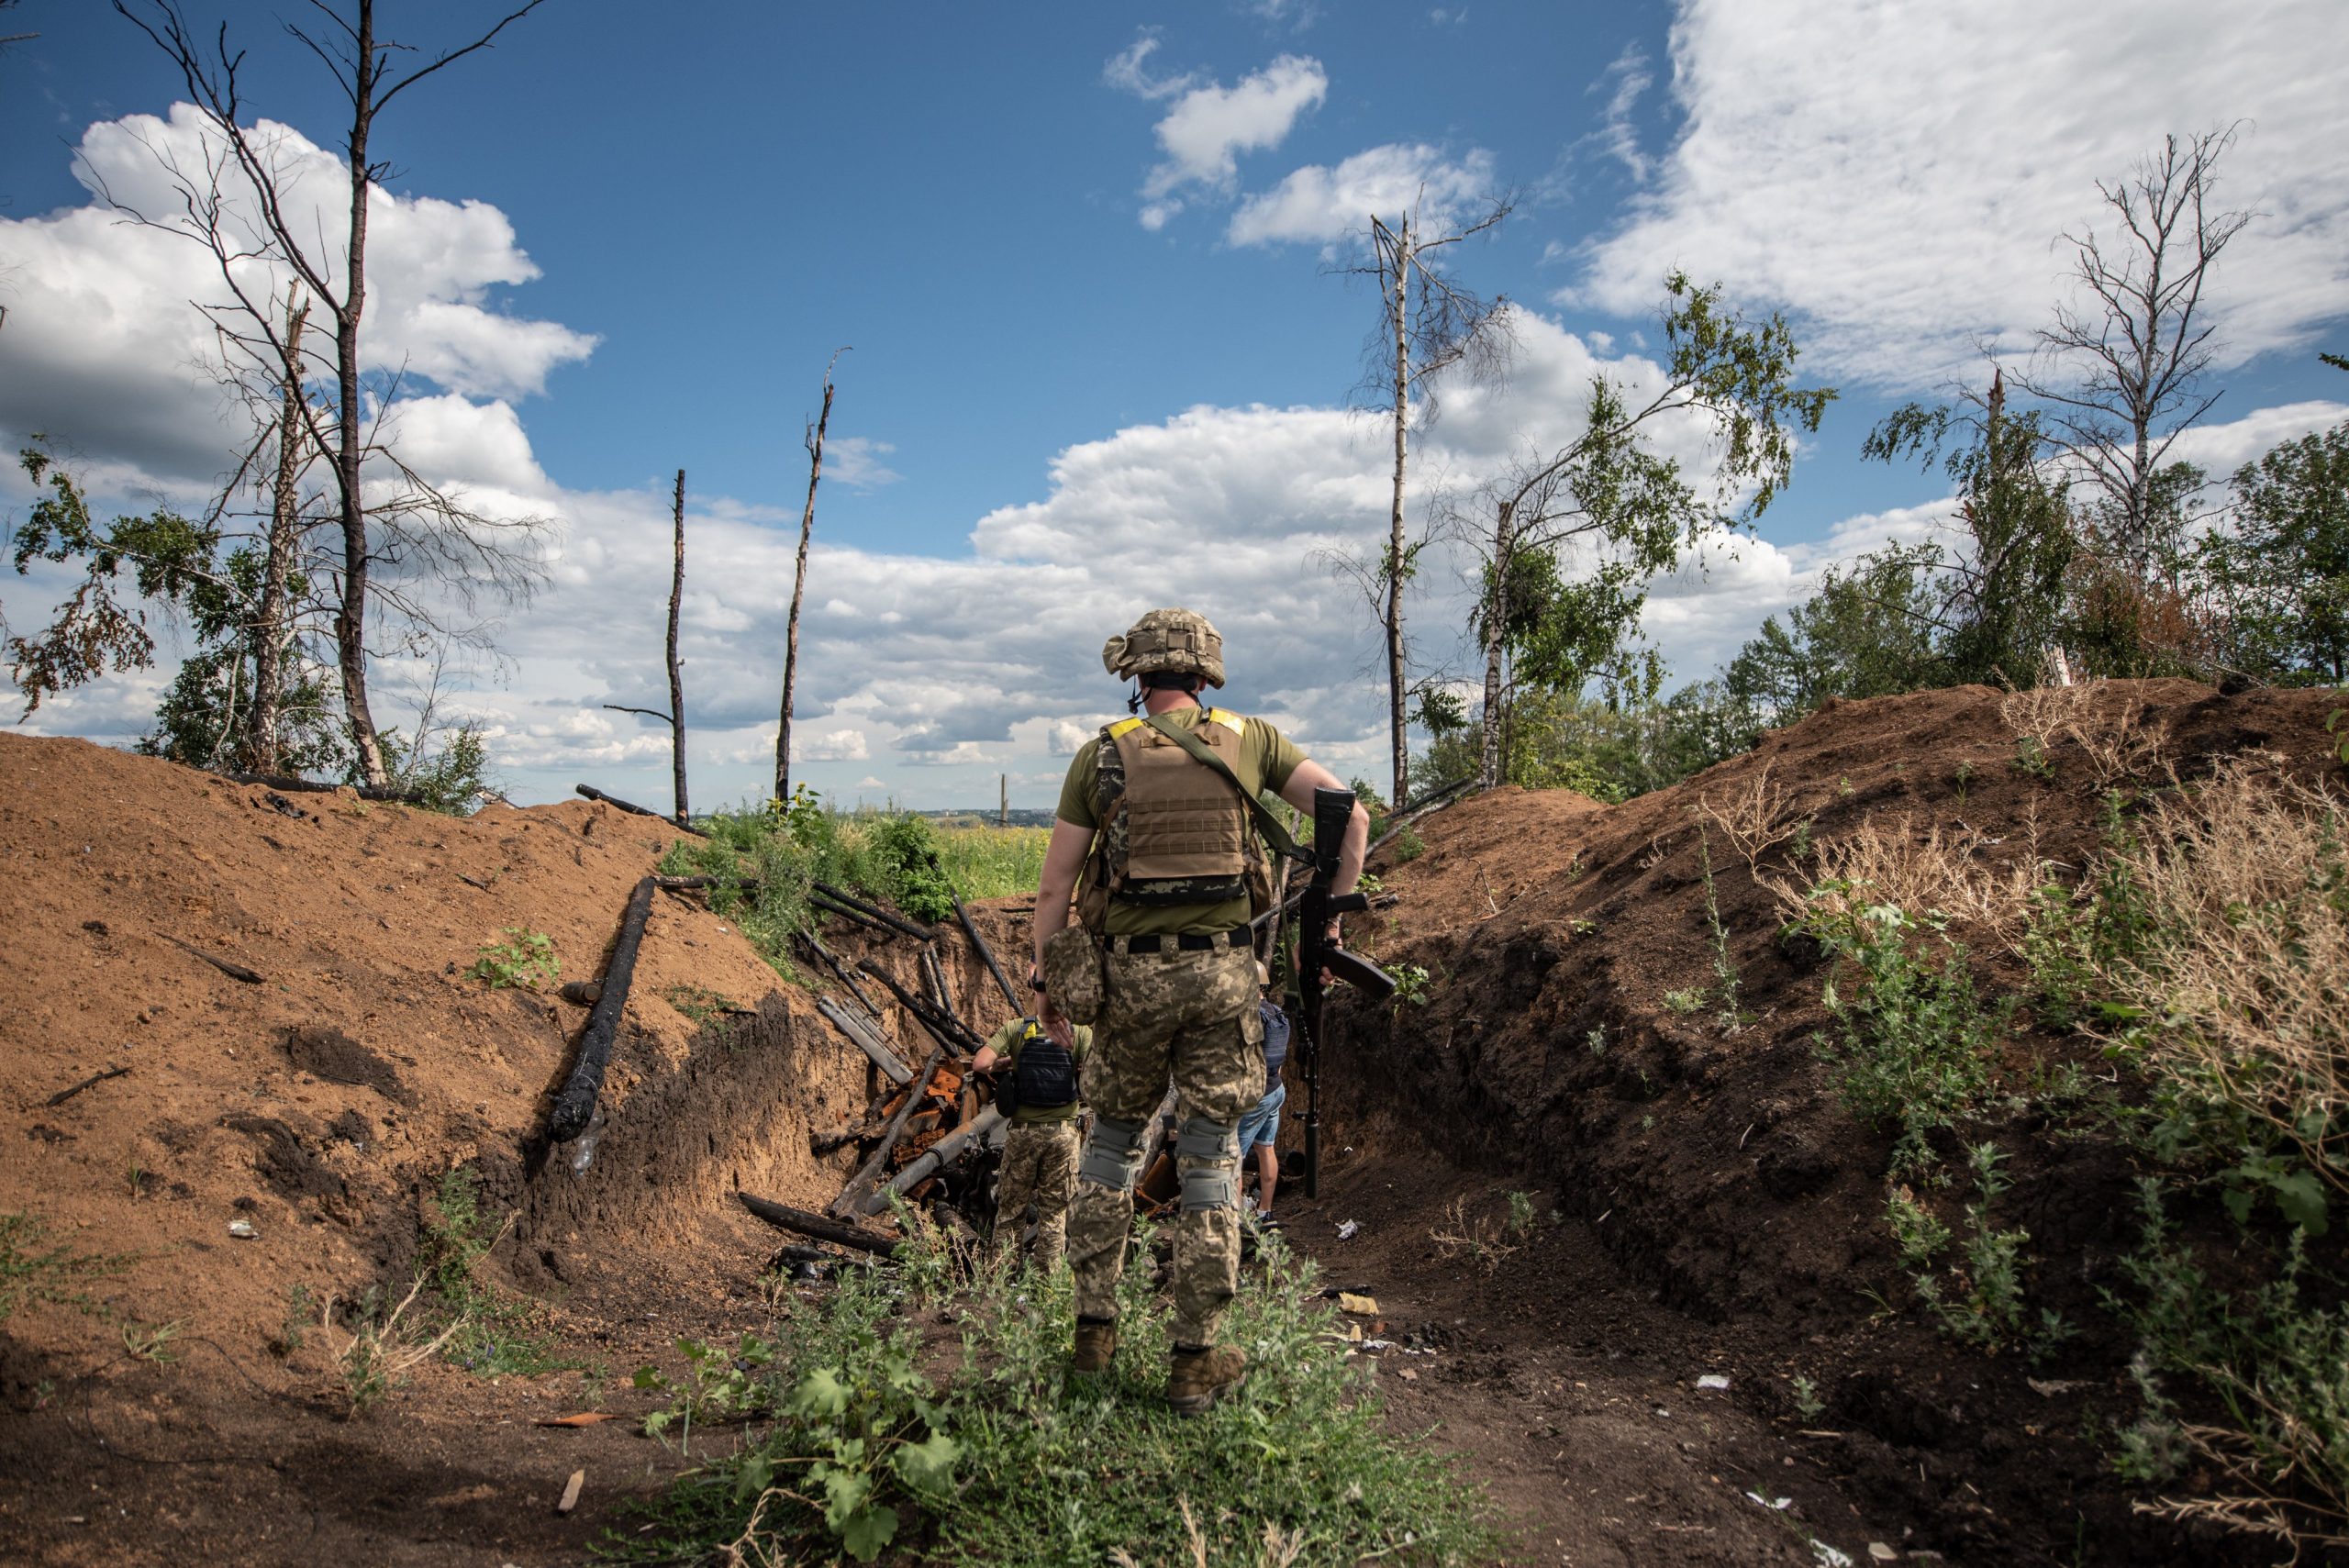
(1704, 1208)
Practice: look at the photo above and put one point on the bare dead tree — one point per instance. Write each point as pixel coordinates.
(2122, 371)
(675, 717)
(815, 443)
(1429, 324)
(676, 671)
(285, 526)
(363, 65)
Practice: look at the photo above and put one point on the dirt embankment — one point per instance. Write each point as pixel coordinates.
(319, 1106)
(1714, 1158)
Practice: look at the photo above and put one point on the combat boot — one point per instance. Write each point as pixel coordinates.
(1096, 1345)
(1200, 1378)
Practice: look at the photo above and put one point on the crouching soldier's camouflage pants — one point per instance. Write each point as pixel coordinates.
(1191, 1016)
(1038, 1167)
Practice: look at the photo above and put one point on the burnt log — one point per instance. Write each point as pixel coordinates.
(831, 961)
(591, 793)
(574, 1103)
(875, 912)
(817, 901)
(943, 1026)
(801, 1223)
(286, 782)
(233, 970)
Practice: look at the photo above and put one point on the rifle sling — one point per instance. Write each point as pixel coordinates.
(1267, 825)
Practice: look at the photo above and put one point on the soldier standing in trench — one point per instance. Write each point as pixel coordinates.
(1160, 815)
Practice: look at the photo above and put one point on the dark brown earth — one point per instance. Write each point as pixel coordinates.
(1715, 1210)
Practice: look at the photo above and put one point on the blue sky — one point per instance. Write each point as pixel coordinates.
(1056, 414)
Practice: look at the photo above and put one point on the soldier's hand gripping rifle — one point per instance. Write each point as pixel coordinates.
(1316, 955)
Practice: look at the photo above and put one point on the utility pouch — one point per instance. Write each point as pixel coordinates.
(1073, 973)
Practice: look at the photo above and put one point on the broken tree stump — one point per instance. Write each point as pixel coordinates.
(574, 1103)
(801, 1223)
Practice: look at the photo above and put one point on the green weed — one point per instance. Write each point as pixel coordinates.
(1685, 1001)
(486, 1331)
(1521, 1214)
(700, 1005)
(1916, 1043)
(883, 1440)
(525, 959)
(55, 1276)
(1809, 1406)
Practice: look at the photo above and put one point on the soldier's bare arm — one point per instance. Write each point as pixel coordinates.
(1309, 776)
(1063, 859)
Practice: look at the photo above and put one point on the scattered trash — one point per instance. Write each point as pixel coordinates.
(1828, 1557)
(1346, 1230)
(585, 1419)
(242, 1230)
(2054, 1386)
(1378, 1344)
(1781, 1505)
(1882, 1553)
(1407, 1375)
(570, 1492)
(1363, 1305)
(1712, 1380)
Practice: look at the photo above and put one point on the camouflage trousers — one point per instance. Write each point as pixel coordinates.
(1038, 1167)
(1189, 1019)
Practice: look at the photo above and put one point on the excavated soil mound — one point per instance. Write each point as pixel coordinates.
(1559, 1044)
(316, 1106)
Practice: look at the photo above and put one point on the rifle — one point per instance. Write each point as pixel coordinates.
(1332, 810)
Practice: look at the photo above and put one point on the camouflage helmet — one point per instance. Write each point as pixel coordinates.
(1176, 639)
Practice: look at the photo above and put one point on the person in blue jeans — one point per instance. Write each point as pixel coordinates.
(1260, 1130)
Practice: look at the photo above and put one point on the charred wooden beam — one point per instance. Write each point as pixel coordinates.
(862, 1036)
(831, 961)
(870, 1172)
(850, 901)
(574, 1103)
(937, 1154)
(94, 1080)
(233, 970)
(817, 901)
(978, 942)
(591, 793)
(801, 1223)
(945, 1026)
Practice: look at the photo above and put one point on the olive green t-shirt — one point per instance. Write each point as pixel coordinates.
(1267, 758)
(1005, 1042)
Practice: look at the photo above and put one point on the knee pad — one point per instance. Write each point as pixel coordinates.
(1112, 1155)
(1206, 1152)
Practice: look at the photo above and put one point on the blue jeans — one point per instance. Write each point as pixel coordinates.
(1263, 1124)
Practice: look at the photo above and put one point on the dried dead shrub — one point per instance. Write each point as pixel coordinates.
(1927, 870)
(1754, 818)
(2245, 954)
(1479, 1241)
(2109, 732)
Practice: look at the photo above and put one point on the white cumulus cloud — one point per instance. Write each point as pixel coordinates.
(1317, 204)
(1898, 174)
(1206, 127)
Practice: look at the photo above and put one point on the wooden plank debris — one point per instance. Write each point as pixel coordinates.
(802, 1223)
(865, 1038)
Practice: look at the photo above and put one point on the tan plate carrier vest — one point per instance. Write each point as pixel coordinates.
(1174, 831)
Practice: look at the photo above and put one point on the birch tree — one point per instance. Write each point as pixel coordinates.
(1429, 324)
(1609, 503)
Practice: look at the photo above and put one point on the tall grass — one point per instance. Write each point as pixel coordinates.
(766, 861)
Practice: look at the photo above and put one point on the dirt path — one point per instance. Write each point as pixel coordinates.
(1570, 1390)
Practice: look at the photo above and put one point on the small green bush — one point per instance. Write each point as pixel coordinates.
(525, 959)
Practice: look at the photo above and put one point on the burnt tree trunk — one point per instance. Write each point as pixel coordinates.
(277, 570)
(800, 590)
(676, 675)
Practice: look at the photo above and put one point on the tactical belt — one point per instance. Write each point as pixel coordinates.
(1188, 942)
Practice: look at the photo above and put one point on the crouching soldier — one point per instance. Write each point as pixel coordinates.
(1037, 1093)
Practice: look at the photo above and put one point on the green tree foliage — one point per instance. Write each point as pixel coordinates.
(1575, 537)
(2280, 574)
(102, 625)
(1867, 632)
